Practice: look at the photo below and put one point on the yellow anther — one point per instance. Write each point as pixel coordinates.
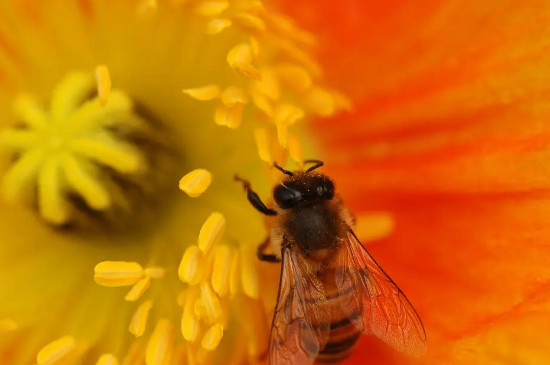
(234, 276)
(232, 96)
(288, 114)
(212, 337)
(269, 84)
(216, 26)
(107, 359)
(117, 273)
(211, 231)
(103, 79)
(220, 270)
(374, 226)
(160, 345)
(139, 319)
(282, 134)
(138, 289)
(7, 325)
(342, 102)
(181, 298)
(250, 21)
(135, 354)
(212, 7)
(189, 322)
(321, 102)
(255, 46)
(249, 272)
(262, 102)
(195, 182)
(189, 264)
(208, 92)
(55, 351)
(296, 77)
(228, 116)
(211, 303)
(295, 149)
(155, 272)
(239, 59)
(262, 143)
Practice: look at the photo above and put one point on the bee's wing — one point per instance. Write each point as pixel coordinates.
(386, 311)
(301, 322)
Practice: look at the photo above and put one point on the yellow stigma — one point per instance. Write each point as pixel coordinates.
(71, 147)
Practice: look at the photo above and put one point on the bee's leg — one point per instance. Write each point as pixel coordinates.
(265, 256)
(254, 199)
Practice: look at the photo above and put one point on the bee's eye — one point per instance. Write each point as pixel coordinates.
(286, 197)
(329, 190)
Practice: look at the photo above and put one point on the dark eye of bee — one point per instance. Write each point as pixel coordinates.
(327, 190)
(286, 197)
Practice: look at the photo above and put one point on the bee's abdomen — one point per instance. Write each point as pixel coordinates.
(343, 333)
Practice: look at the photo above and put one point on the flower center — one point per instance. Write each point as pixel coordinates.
(83, 154)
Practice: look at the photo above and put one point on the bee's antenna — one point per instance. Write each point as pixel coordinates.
(286, 172)
(317, 163)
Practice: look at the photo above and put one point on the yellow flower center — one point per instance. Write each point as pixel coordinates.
(104, 146)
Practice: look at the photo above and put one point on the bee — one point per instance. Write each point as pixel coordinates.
(331, 289)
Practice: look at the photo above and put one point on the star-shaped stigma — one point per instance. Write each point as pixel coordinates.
(72, 150)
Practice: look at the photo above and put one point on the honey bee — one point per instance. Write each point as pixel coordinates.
(331, 290)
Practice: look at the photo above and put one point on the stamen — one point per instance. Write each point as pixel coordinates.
(212, 337)
(262, 102)
(52, 205)
(189, 323)
(160, 345)
(250, 22)
(211, 303)
(234, 276)
(55, 351)
(321, 102)
(189, 264)
(155, 272)
(117, 273)
(135, 354)
(268, 85)
(211, 231)
(220, 271)
(295, 77)
(139, 320)
(138, 289)
(204, 93)
(27, 109)
(68, 94)
(103, 80)
(232, 96)
(7, 325)
(211, 7)
(249, 273)
(195, 182)
(216, 26)
(262, 143)
(107, 359)
(239, 59)
(295, 150)
(228, 116)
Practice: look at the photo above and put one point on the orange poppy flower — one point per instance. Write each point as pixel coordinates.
(449, 137)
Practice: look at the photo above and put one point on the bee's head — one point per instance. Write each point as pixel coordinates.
(303, 187)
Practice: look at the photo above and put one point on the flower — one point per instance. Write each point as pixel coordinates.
(104, 260)
(450, 138)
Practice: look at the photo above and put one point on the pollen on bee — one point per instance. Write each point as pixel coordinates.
(138, 289)
(139, 319)
(211, 231)
(195, 182)
(118, 273)
(160, 345)
(55, 350)
(212, 337)
(7, 325)
(103, 79)
(107, 359)
(204, 93)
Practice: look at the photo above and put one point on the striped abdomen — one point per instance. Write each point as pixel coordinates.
(343, 333)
